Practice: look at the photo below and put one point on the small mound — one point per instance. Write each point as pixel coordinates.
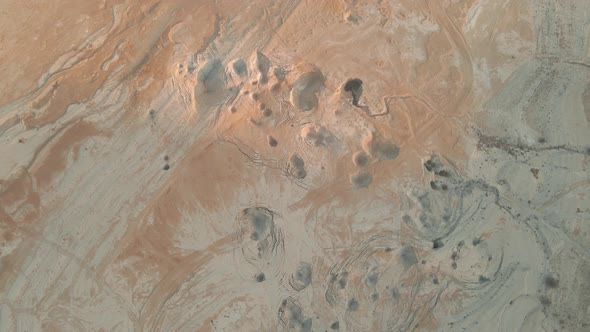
(279, 74)
(305, 89)
(293, 317)
(317, 135)
(433, 164)
(261, 63)
(342, 280)
(296, 161)
(386, 151)
(371, 279)
(297, 167)
(211, 75)
(275, 87)
(407, 256)
(239, 67)
(361, 180)
(302, 277)
(300, 173)
(258, 221)
(258, 239)
(360, 159)
(210, 88)
(380, 150)
(353, 304)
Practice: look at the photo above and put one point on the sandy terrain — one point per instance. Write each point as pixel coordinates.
(335, 165)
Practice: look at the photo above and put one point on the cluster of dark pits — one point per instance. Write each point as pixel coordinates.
(166, 166)
(433, 165)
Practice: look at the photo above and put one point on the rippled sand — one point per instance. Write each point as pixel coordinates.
(295, 165)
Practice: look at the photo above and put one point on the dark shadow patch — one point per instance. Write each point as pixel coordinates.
(551, 282)
(361, 180)
(408, 256)
(302, 277)
(360, 159)
(355, 87)
(239, 67)
(292, 316)
(437, 244)
(353, 304)
(297, 166)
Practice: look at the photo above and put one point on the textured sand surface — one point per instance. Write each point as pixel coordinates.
(334, 165)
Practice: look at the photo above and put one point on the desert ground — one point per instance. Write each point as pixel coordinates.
(329, 165)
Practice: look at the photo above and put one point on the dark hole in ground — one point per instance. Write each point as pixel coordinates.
(355, 86)
(476, 241)
(551, 282)
(443, 173)
(437, 244)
